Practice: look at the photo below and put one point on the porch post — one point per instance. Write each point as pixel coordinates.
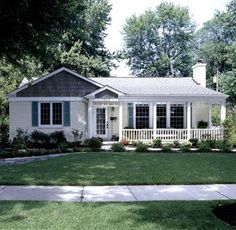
(188, 120)
(120, 120)
(154, 120)
(222, 112)
(209, 115)
(90, 119)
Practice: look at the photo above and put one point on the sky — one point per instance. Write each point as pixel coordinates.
(200, 11)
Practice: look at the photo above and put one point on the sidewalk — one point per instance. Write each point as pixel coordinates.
(119, 193)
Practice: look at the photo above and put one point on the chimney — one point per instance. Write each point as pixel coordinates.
(199, 73)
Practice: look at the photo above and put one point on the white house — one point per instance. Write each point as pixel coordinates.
(131, 108)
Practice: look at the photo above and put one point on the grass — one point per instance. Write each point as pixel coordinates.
(140, 215)
(125, 168)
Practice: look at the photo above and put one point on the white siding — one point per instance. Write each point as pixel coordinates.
(199, 113)
(21, 117)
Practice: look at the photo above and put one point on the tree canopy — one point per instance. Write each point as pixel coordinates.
(216, 43)
(159, 42)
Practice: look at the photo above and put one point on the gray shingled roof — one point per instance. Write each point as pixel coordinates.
(157, 86)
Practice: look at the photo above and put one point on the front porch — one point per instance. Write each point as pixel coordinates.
(145, 120)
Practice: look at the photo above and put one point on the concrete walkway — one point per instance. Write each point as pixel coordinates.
(119, 193)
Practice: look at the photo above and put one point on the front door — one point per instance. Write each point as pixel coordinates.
(101, 123)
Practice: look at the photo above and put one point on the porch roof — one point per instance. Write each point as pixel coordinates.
(184, 86)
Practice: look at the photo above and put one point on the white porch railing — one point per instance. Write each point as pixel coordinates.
(137, 134)
(171, 134)
(216, 134)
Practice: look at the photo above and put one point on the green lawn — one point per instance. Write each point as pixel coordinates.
(125, 168)
(102, 216)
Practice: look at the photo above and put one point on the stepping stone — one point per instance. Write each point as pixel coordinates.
(107, 193)
(42, 193)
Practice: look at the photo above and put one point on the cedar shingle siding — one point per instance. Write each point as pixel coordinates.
(106, 94)
(62, 84)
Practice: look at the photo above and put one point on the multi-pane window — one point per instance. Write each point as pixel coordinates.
(101, 121)
(45, 113)
(142, 116)
(50, 113)
(161, 116)
(57, 113)
(177, 116)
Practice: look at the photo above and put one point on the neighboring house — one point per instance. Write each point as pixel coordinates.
(132, 108)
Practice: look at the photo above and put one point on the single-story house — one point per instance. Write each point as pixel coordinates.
(130, 108)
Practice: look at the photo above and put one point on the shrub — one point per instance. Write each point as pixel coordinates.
(232, 140)
(204, 146)
(76, 149)
(228, 127)
(37, 136)
(176, 144)
(117, 147)
(124, 141)
(135, 143)
(94, 143)
(20, 140)
(194, 142)
(185, 148)
(202, 125)
(167, 148)
(86, 150)
(114, 138)
(141, 147)
(58, 137)
(156, 143)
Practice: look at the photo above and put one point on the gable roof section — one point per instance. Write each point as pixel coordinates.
(106, 88)
(156, 86)
(34, 89)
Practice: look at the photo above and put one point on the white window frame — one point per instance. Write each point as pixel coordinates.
(51, 125)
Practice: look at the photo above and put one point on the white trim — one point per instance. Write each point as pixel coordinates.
(12, 94)
(50, 99)
(106, 135)
(106, 87)
(51, 115)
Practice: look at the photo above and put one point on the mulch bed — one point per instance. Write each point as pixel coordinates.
(226, 213)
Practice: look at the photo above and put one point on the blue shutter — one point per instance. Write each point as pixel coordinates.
(66, 113)
(35, 114)
(130, 115)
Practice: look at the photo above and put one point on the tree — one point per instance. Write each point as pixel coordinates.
(216, 43)
(158, 43)
(46, 29)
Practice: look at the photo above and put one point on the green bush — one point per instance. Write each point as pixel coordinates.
(20, 140)
(204, 146)
(117, 147)
(167, 148)
(185, 148)
(229, 129)
(202, 124)
(232, 140)
(58, 137)
(38, 136)
(86, 150)
(176, 144)
(194, 142)
(141, 147)
(156, 143)
(94, 143)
